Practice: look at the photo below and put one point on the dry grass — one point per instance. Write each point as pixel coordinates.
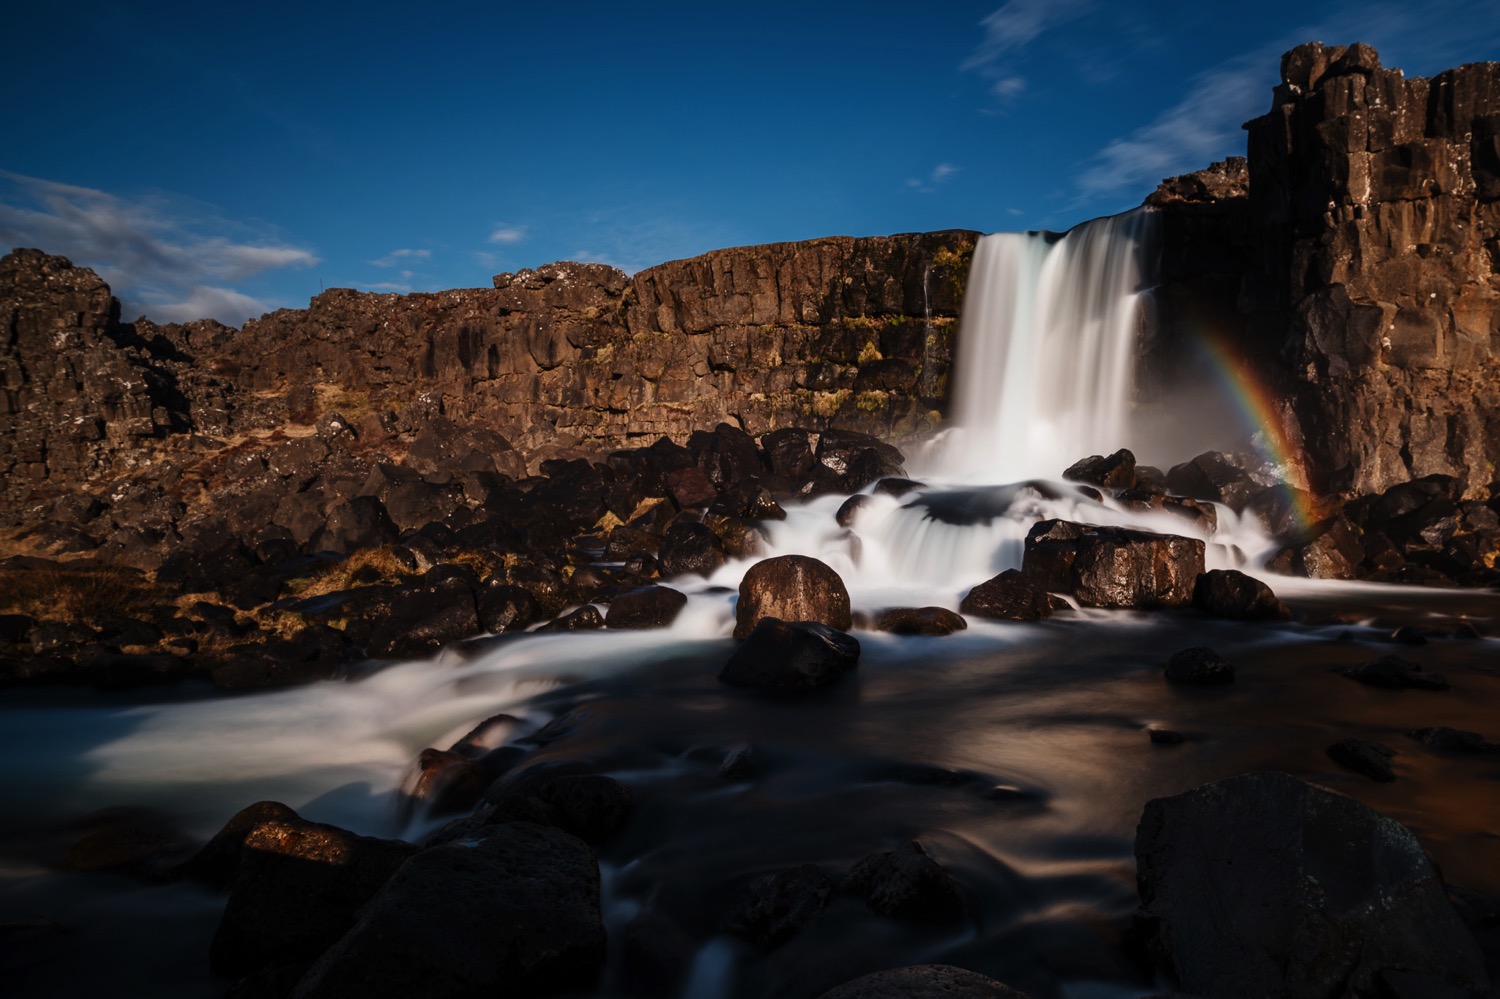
(340, 575)
(89, 593)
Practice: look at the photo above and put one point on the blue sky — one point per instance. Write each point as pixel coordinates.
(229, 159)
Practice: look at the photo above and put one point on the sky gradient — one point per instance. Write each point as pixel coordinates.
(226, 161)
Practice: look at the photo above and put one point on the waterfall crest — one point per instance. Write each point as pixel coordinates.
(1046, 348)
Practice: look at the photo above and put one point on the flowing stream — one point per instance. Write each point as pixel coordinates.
(1017, 754)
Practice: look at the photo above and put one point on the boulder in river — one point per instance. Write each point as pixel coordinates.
(791, 588)
(1115, 471)
(919, 621)
(1264, 885)
(791, 655)
(1009, 596)
(1112, 566)
(1393, 673)
(514, 912)
(777, 906)
(1232, 594)
(908, 884)
(645, 607)
(1199, 665)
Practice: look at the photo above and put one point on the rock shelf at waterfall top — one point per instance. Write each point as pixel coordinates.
(793, 620)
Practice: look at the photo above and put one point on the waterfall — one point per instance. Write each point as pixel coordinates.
(1046, 348)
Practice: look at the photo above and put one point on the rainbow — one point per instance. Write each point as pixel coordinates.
(1257, 407)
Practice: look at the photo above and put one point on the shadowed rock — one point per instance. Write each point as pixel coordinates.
(1198, 665)
(646, 607)
(1115, 471)
(924, 981)
(1009, 596)
(1371, 759)
(919, 621)
(1393, 673)
(791, 655)
(777, 906)
(1265, 885)
(908, 884)
(1232, 594)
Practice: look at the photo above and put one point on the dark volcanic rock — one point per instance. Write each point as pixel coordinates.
(1452, 740)
(919, 621)
(646, 607)
(908, 884)
(778, 906)
(1112, 566)
(1331, 550)
(513, 912)
(1232, 594)
(1371, 759)
(791, 655)
(1198, 665)
(1265, 885)
(924, 981)
(585, 618)
(1394, 673)
(792, 588)
(1009, 596)
(691, 549)
(564, 795)
(297, 887)
(1115, 471)
(421, 621)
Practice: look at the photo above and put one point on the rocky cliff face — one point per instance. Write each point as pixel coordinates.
(851, 331)
(1356, 266)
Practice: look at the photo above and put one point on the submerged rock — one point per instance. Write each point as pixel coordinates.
(1371, 759)
(908, 884)
(1393, 673)
(1264, 885)
(1199, 665)
(791, 588)
(1112, 566)
(924, 981)
(791, 655)
(776, 907)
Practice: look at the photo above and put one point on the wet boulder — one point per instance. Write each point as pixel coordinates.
(1112, 566)
(848, 511)
(856, 459)
(919, 621)
(1010, 596)
(1115, 471)
(645, 607)
(1263, 884)
(423, 619)
(297, 887)
(1214, 475)
(512, 912)
(1232, 594)
(791, 656)
(791, 588)
(908, 884)
(447, 782)
(1330, 549)
(503, 607)
(691, 549)
(1453, 740)
(564, 795)
(789, 453)
(924, 981)
(585, 618)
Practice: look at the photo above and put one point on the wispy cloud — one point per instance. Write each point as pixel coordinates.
(402, 257)
(164, 257)
(1186, 136)
(928, 184)
(1007, 33)
(508, 233)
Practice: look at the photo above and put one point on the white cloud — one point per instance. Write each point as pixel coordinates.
(401, 256)
(1186, 136)
(153, 251)
(508, 233)
(1007, 33)
(939, 174)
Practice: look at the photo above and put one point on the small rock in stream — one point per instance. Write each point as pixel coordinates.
(1393, 673)
(1198, 665)
(1370, 759)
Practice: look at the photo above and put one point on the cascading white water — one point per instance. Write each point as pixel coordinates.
(1046, 348)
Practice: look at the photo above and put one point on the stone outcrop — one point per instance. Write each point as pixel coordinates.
(853, 331)
(1350, 262)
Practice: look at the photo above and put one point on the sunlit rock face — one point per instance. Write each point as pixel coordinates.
(1352, 262)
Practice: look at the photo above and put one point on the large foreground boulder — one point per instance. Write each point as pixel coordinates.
(792, 588)
(1264, 885)
(513, 913)
(1112, 566)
